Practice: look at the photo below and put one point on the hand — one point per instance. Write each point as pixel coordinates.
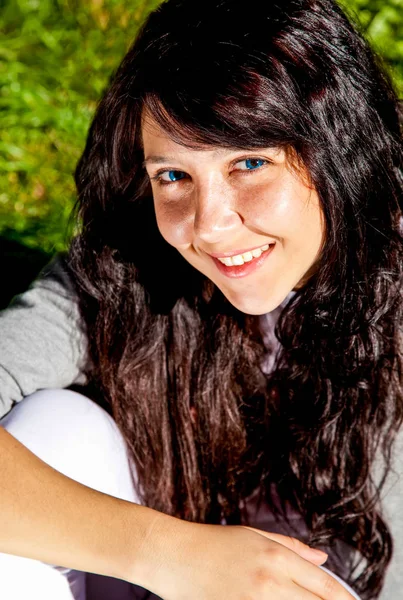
(212, 562)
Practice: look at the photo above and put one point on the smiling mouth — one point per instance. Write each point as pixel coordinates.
(242, 268)
(240, 259)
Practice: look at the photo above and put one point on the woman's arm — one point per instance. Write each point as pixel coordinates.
(42, 338)
(46, 515)
(49, 517)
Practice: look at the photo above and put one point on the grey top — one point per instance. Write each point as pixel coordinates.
(43, 345)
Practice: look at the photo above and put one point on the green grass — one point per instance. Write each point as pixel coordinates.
(56, 58)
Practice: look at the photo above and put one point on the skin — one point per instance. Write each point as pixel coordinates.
(218, 204)
(175, 559)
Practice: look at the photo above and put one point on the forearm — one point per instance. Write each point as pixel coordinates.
(49, 517)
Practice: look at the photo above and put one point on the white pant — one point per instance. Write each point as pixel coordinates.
(79, 439)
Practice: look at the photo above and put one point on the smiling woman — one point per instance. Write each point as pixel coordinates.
(213, 204)
(233, 301)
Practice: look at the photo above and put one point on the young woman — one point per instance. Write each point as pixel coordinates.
(234, 303)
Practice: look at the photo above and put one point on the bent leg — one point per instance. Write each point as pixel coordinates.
(79, 439)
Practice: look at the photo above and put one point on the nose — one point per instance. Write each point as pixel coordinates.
(216, 215)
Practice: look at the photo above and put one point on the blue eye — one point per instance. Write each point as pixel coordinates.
(172, 176)
(252, 163)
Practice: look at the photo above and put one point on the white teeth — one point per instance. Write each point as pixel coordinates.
(240, 259)
(248, 256)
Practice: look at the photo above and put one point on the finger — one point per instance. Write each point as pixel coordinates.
(316, 556)
(294, 591)
(352, 592)
(302, 594)
(317, 581)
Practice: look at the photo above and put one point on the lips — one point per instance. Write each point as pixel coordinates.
(247, 268)
(235, 253)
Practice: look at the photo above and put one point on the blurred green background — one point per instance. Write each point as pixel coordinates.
(56, 58)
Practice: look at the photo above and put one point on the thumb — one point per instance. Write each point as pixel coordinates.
(314, 556)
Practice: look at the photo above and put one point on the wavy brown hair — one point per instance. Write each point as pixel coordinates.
(176, 364)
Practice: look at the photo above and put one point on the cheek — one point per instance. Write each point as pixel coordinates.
(174, 222)
(273, 208)
(287, 209)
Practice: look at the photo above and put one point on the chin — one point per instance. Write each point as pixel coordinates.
(256, 306)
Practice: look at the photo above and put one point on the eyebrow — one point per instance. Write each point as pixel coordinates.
(156, 160)
(159, 159)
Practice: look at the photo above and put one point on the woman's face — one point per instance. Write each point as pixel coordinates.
(249, 204)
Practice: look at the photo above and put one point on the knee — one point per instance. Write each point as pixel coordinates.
(76, 437)
(27, 578)
(60, 417)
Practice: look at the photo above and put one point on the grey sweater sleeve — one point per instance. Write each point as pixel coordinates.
(42, 341)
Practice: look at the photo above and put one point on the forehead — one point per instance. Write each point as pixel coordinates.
(160, 147)
(154, 136)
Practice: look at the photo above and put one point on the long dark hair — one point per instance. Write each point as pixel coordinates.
(179, 366)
